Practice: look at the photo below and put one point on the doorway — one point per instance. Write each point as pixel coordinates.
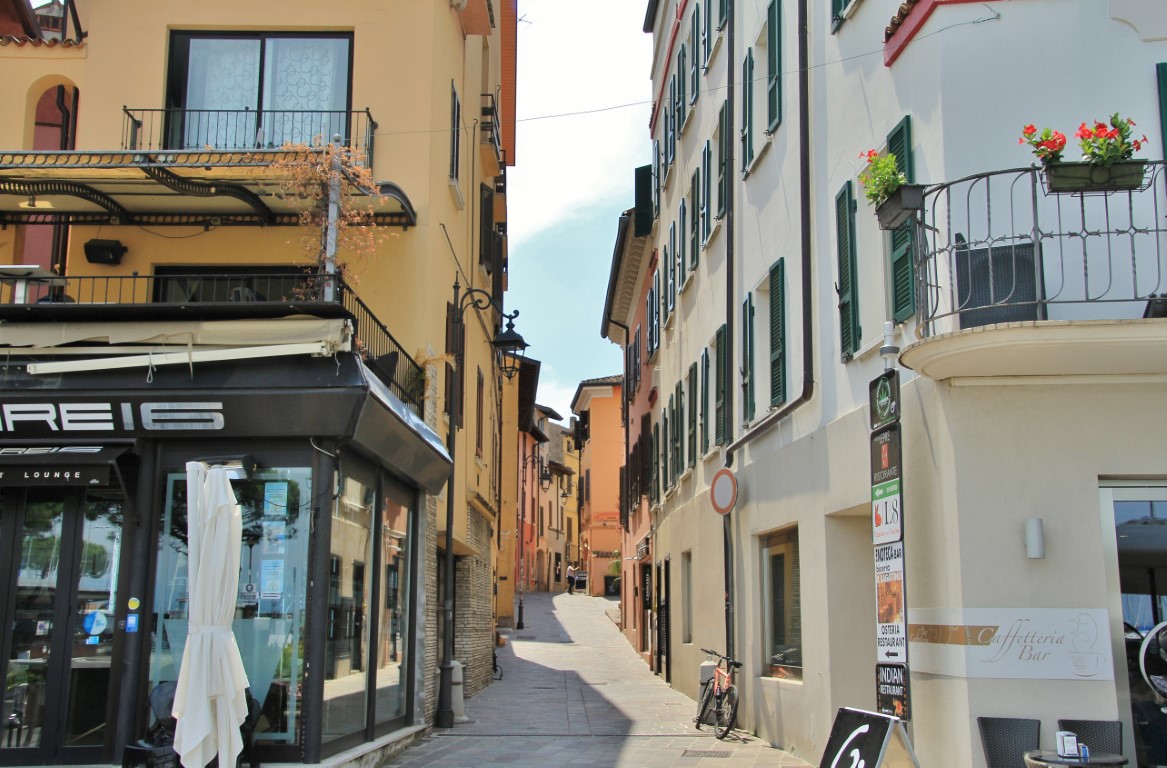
(60, 549)
(1140, 522)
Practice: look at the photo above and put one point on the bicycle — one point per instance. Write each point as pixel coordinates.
(495, 669)
(721, 696)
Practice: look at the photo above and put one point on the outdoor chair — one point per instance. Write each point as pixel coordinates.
(157, 749)
(1099, 735)
(1007, 739)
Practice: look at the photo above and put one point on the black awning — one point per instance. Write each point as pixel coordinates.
(77, 465)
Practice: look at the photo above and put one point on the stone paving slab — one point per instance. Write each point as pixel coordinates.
(575, 693)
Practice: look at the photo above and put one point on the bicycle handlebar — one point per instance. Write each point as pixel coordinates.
(728, 660)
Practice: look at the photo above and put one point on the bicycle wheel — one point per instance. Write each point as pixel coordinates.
(727, 712)
(706, 704)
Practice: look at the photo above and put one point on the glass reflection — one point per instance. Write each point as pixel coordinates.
(269, 609)
(392, 626)
(346, 643)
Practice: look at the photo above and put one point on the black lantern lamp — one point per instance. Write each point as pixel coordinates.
(511, 348)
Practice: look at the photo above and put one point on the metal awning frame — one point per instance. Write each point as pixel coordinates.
(114, 188)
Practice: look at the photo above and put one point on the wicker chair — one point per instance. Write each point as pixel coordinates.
(1099, 735)
(1007, 739)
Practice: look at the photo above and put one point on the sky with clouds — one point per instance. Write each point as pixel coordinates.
(583, 99)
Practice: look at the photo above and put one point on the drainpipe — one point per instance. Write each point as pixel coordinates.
(774, 417)
(730, 302)
(807, 294)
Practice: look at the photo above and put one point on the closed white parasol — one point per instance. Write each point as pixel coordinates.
(210, 702)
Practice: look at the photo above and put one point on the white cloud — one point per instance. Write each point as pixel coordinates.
(557, 395)
(577, 56)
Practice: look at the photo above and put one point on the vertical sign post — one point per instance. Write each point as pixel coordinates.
(887, 536)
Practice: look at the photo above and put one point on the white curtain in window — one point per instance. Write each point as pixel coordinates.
(305, 93)
(222, 81)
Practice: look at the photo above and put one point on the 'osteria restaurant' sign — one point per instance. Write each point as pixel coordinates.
(1012, 643)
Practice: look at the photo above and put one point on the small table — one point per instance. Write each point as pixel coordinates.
(20, 275)
(1051, 757)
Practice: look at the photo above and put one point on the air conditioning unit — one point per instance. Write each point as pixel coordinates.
(458, 5)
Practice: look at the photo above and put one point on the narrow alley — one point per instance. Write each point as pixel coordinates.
(574, 692)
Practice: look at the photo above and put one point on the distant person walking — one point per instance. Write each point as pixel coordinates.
(571, 579)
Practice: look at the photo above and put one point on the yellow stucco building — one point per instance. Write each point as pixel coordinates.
(172, 293)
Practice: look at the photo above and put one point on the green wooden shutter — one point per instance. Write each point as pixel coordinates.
(695, 223)
(704, 401)
(706, 208)
(722, 158)
(643, 197)
(666, 447)
(1161, 72)
(682, 244)
(679, 431)
(773, 62)
(748, 109)
(692, 416)
(849, 332)
(695, 55)
(656, 476)
(720, 431)
(899, 143)
(722, 13)
(748, 357)
(778, 333)
(682, 76)
(657, 181)
(837, 8)
(671, 274)
(707, 35)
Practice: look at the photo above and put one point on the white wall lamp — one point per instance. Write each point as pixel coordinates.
(1034, 538)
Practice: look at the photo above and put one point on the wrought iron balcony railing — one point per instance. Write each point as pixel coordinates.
(218, 296)
(245, 129)
(492, 128)
(1000, 247)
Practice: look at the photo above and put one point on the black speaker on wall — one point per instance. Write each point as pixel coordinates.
(104, 251)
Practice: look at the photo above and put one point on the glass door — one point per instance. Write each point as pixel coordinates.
(61, 548)
(1140, 520)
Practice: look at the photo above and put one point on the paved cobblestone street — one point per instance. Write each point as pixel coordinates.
(574, 693)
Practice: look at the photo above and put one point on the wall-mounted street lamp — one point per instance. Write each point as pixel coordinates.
(510, 348)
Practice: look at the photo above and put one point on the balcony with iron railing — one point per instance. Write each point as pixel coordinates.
(1015, 279)
(245, 129)
(215, 296)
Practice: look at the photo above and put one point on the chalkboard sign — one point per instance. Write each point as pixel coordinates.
(861, 739)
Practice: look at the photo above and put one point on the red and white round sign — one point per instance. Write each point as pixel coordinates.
(723, 490)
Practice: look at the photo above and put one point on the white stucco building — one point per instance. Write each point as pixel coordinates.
(1031, 358)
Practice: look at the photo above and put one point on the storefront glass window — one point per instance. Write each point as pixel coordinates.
(346, 643)
(270, 606)
(393, 627)
(783, 604)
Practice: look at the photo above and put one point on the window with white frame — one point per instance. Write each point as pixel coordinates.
(682, 243)
(783, 603)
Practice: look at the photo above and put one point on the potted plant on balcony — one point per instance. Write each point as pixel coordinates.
(1107, 163)
(887, 188)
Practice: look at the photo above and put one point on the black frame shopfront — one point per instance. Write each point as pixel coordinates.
(332, 472)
